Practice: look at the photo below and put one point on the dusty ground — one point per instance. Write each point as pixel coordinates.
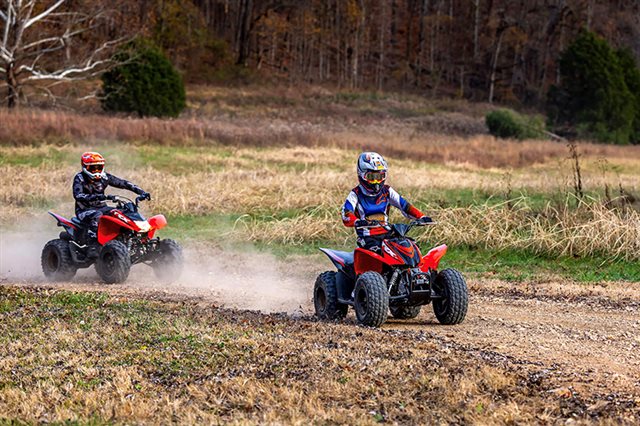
(578, 342)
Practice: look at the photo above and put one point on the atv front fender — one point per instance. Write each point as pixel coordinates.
(110, 227)
(431, 260)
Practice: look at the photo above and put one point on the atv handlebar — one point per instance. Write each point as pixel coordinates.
(365, 223)
(121, 200)
(400, 229)
(421, 223)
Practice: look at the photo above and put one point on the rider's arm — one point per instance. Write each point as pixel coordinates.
(124, 184)
(407, 209)
(348, 210)
(80, 195)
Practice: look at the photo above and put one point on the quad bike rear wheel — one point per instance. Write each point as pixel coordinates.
(325, 297)
(371, 299)
(57, 263)
(113, 263)
(405, 312)
(451, 308)
(168, 264)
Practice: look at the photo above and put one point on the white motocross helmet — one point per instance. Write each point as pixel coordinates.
(372, 172)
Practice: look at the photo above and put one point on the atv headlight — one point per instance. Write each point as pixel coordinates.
(143, 225)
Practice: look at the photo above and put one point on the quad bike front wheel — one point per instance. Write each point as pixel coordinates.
(371, 299)
(113, 263)
(325, 297)
(169, 262)
(405, 312)
(451, 308)
(57, 263)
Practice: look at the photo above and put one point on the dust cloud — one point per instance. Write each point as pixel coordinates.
(235, 278)
(20, 251)
(248, 279)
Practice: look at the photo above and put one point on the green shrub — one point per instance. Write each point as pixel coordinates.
(505, 123)
(592, 98)
(144, 82)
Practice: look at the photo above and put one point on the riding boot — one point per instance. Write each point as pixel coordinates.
(94, 246)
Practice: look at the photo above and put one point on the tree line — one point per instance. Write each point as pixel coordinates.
(503, 51)
(482, 50)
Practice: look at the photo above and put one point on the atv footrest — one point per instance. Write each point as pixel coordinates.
(346, 301)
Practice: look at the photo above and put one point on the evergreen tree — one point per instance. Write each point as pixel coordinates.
(145, 82)
(632, 79)
(593, 97)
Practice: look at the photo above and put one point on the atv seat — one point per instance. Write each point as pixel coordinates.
(77, 222)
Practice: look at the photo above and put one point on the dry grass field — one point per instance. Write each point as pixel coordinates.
(292, 195)
(252, 181)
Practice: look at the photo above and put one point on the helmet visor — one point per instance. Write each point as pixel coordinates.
(374, 177)
(95, 168)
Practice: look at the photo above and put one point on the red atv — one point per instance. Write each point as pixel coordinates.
(125, 238)
(399, 279)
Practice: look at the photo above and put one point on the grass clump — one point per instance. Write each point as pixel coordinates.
(506, 123)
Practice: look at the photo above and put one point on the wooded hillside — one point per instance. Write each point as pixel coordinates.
(482, 50)
(489, 50)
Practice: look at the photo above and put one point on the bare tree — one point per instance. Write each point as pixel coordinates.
(45, 43)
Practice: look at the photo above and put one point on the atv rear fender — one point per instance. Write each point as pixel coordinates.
(336, 260)
(432, 259)
(66, 224)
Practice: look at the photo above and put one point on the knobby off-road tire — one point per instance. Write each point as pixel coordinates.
(57, 263)
(452, 307)
(113, 263)
(325, 297)
(371, 299)
(170, 261)
(405, 312)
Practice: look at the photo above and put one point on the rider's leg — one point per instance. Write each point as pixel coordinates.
(87, 217)
(92, 218)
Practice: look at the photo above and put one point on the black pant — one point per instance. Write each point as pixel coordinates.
(90, 218)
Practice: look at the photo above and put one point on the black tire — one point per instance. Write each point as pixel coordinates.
(170, 261)
(57, 263)
(405, 312)
(113, 263)
(452, 307)
(325, 298)
(371, 299)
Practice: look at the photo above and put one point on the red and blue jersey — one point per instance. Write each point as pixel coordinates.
(361, 205)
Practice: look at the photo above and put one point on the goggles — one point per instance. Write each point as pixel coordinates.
(95, 168)
(375, 176)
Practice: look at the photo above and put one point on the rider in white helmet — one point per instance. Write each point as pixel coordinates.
(370, 201)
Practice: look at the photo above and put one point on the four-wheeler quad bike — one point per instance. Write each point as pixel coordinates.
(397, 278)
(124, 237)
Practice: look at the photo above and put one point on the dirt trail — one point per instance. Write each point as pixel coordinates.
(587, 349)
(573, 338)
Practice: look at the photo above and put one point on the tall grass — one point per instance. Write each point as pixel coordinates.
(293, 195)
(590, 230)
